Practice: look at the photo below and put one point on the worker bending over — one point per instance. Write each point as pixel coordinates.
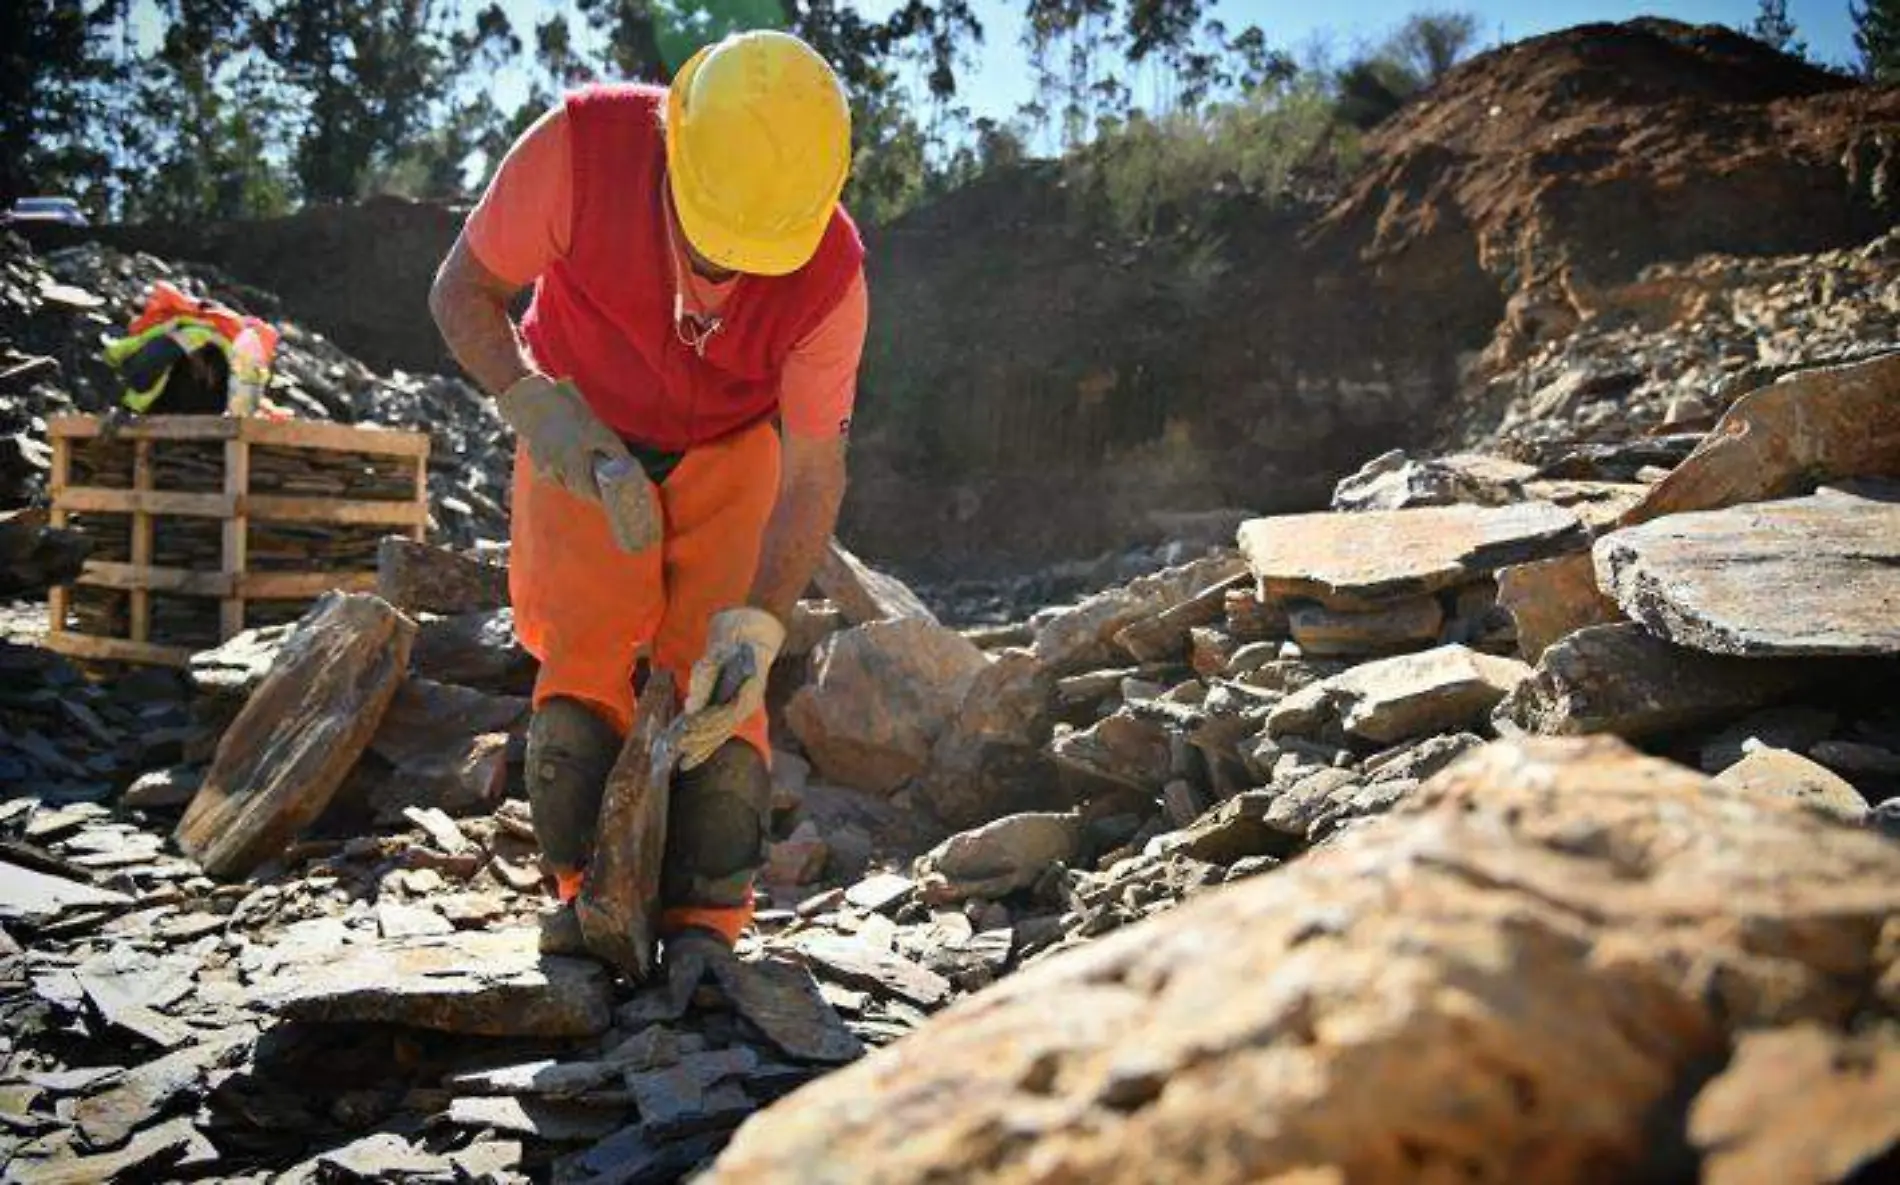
(695, 279)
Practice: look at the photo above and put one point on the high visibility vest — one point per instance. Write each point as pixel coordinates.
(173, 327)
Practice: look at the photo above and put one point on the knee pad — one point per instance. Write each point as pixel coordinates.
(716, 829)
(570, 753)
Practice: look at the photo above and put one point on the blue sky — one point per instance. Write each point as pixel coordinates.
(997, 80)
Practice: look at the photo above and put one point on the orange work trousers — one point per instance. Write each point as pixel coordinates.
(588, 610)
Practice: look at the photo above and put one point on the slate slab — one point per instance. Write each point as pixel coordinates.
(1805, 576)
(1363, 560)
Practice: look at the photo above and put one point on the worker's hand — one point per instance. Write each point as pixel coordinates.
(711, 722)
(563, 435)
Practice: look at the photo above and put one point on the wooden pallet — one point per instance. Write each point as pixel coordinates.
(238, 504)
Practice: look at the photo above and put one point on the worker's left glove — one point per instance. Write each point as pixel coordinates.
(742, 640)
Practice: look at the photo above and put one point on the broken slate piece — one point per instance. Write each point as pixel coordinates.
(440, 829)
(418, 578)
(864, 594)
(1551, 599)
(107, 1118)
(781, 998)
(395, 920)
(634, 1156)
(879, 892)
(861, 965)
(998, 858)
(127, 987)
(1814, 425)
(493, 983)
(550, 1079)
(1619, 679)
(297, 737)
(147, 1152)
(1364, 560)
(36, 898)
(1807, 576)
(1394, 699)
(1790, 775)
(1409, 624)
(558, 1121)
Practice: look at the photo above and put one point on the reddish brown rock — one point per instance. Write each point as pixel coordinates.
(1502, 984)
(1831, 422)
(883, 694)
(1082, 637)
(862, 593)
(1552, 599)
(1801, 1106)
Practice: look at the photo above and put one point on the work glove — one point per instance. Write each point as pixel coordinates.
(745, 640)
(571, 447)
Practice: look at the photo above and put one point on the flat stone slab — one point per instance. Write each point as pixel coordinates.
(1349, 560)
(1805, 576)
(487, 983)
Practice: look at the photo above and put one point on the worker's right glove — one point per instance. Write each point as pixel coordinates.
(572, 448)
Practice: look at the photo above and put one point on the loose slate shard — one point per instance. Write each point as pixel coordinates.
(1806, 576)
(296, 739)
(489, 983)
(1362, 560)
(418, 578)
(619, 902)
(861, 965)
(35, 898)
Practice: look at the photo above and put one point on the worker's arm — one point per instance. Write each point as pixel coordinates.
(811, 488)
(470, 306)
(522, 224)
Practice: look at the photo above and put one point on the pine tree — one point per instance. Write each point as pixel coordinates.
(1877, 36)
(53, 66)
(1774, 27)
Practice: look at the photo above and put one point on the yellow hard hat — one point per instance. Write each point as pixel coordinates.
(758, 144)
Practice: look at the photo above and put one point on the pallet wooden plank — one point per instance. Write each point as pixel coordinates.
(237, 479)
(340, 438)
(59, 597)
(420, 531)
(156, 578)
(146, 427)
(141, 599)
(334, 511)
(298, 586)
(100, 500)
(116, 649)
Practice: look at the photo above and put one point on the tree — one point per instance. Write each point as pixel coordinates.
(53, 66)
(209, 122)
(1375, 85)
(370, 75)
(1877, 36)
(1773, 27)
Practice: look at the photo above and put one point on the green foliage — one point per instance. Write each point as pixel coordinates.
(1160, 176)
(53, 70)
(1423, 50)
(1877, 37)
(1773, 27)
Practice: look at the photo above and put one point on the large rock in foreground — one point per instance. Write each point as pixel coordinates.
(883, 694)
(1508, 984)
(1817, 575)
(1361, 560)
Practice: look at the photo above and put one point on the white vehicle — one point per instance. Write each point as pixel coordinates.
(62, 210)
